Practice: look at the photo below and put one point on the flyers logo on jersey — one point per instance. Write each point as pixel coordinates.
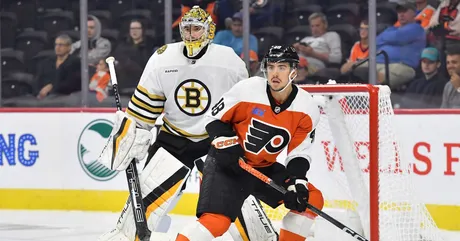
(264, 136)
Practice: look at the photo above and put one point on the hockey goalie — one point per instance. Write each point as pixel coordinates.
(182, 80)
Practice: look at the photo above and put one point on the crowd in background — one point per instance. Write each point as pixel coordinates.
(40, 46)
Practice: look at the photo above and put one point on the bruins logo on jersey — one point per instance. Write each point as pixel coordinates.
(192, 97)
(162, 49)
(263, 136)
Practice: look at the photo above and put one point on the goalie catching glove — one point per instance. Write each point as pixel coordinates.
(297, 196)
(126, 142)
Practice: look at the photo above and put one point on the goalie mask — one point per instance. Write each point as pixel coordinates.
(281, 54)
(197, 30)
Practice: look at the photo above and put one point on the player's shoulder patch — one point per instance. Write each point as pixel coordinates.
(162, 49)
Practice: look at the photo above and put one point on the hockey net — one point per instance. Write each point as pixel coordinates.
(357, 164)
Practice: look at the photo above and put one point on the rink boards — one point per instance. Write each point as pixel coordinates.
(47, 162)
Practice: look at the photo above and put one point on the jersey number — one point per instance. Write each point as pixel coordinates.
(218, 107)
(263, 136)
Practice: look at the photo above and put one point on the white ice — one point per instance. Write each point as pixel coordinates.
(18, 225)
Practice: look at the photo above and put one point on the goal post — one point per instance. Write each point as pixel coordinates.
(358, 166)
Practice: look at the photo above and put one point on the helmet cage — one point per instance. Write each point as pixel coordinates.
(196, 17)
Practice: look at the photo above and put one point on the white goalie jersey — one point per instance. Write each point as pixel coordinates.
(184, 89)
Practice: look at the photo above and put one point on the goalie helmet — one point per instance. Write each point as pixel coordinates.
(279, 53)
(197, 30)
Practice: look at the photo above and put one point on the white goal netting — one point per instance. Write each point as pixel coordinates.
(354, 134)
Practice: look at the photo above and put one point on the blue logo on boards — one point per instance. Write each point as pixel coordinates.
(20, 148)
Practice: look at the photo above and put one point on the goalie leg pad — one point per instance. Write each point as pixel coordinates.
(161, 182)
(164, 223)
(254, 224)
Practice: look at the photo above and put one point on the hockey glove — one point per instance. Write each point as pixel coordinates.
(125, 143)
(297, 196)
(227, 151)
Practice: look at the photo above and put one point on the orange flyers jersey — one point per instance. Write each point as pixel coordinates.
(265, 128)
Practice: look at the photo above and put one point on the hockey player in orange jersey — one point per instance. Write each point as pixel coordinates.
(257, 119)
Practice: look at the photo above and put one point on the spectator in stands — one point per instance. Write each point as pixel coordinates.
(132, 55)
(302, 72)
(426, 91)
(404, 45)
(424, 13)
(360, 49)
(254, 65)
(446, 21)
(98, 85)
(322, 47)
(60, 74)
(234, 38)
(451, 93)
(98, 47)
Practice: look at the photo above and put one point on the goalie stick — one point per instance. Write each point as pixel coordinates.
(283, 190)
(132, 175)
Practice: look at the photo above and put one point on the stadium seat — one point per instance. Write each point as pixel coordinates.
(27, 10)
(266, 37)
(31, 42)
(53, 4)
(386, 13)
(293, 4)
(74, 35)
(4, 4)
(117, 8)
(12, 61)
(9, 24)
(343, 13)
(33, 63)
(157, 5)
(296, 34)
(331, 3)
(112, 35)
(17, 84)
(104, 16)
(299, 16)
(55, 22)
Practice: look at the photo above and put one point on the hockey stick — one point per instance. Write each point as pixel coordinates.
(283, 190)
(132, 175)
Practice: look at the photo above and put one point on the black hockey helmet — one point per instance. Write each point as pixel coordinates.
(281, 53)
